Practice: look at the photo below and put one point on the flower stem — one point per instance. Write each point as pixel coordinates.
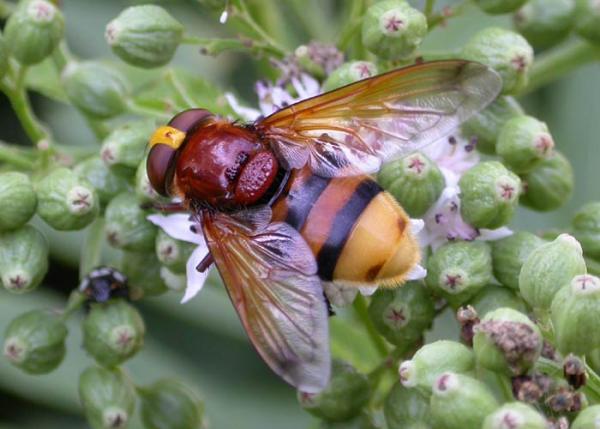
(92, 247)
(133, 107)
(362, 314)
(242, 13)
(428, 10)
(559, 61)
(10, 155)
(76, 300)
(352, 25)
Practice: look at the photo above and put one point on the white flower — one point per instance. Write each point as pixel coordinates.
(181, 227)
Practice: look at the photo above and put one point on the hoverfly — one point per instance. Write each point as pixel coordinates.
(286, 203)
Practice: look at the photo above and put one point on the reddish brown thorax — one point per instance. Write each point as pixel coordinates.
(224, 165)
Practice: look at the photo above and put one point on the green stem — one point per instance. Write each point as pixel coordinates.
(179, 89)
(133, 107)
(242, 13)
(560, 61)
(214, 47)
(92, 247)
(505, 387)
(435, 19)
(362, 313)
(76, 300)
(429, 5)
(555, 370)
(10, 155)
(352, 25)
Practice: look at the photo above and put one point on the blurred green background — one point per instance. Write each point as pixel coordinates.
(202, 342)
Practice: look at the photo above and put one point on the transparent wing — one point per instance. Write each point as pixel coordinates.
(355, 128)
(270, 275)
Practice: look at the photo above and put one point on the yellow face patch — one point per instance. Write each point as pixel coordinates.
(167, 135)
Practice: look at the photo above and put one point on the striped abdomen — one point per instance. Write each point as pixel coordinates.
(356, 230)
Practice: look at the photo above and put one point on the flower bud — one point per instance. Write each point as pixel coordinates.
(348, 391)
(170, 404)
(392, 29)
(95, 89)
(143, 273)
(348, 73)
(549, 185)
(588, 418)
(524, 142)
(172, 253)
(587, 20)
(65, 201)
(113, 332)
(123, 149)
(126, 225)
(493, 297)
(497, 7)
(107, 396)
(144, 36)
(406, 408)
(489, 194)
(33, 31)
(586, 228)
(509, 255)
(415, 181)
(544, 23)
(506, 341)
(18, 200)
(106, 183)
(515, 415)
(486, 125)
(460, 402)
(506, 52)
(35, 342)
(367, 419)
(402, 314)
(144, 191)
(574, 315)
(458, 270)
(433, 359)
(23, 259)
(548, 268)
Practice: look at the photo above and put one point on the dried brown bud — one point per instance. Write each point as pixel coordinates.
(565, 400)
(468, 319)
(574, 370)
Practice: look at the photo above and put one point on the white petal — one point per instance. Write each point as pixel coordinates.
(367, 290)
(416, 225)
(177, 226)
(195, 279)
(494, 234)
(417, 273)
(224, 16)
(306, 86)
(339, 295)
(247, 113)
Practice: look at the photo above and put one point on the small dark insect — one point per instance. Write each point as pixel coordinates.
(104, 283)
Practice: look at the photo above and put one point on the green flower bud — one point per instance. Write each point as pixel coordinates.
(126, 225)
(586, 228)
(523, 143)
(402, 314)
(23, 259)
(587, 20)
(113, 332)
(173, 253)
(144, 191)
(144, 36)
(588, 418)
(367, 419)
(33, 31)
(515, 415)
(35, 342)
(507, 341)
(406, 408)
(106, 183)
(548, 268)
(18, 200)
(544, 23)
(66, 201)
(498, 7)
(433, 359)
(574, 315)
(493, 297)
(392, 29)
(489, 194)
(4, 55)
(460, 402)
(348, 391)
(506, 52)
(509, 254)
(415, 181)
(107, 396)
(486, 125)
(170, 404)
(123, 149)
(549, 185)
(143, 274)
(95, 89)
(348, 73)
(458, 270)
